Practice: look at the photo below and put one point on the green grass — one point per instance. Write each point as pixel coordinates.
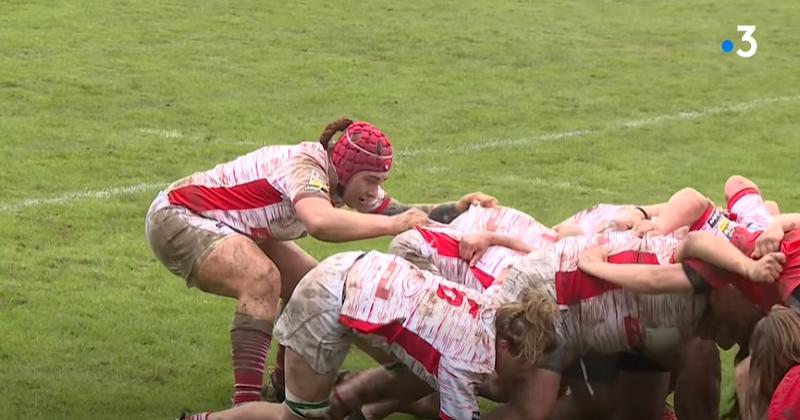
(100, 94)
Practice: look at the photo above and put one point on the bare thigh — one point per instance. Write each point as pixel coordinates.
(292, 261)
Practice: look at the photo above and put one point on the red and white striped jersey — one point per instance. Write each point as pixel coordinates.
(255, 193)
(595, 219)
(507, 222)
(747, 208)
(599, 316)
(443, 331)
(439, 247)
(436, 248)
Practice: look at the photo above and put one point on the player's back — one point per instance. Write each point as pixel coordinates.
(421, 317)
(606, 318)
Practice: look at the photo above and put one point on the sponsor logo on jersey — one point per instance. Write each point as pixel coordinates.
(317, 183)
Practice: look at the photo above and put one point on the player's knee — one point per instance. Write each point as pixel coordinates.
(736, 183)
(263, 283)
(298, 409)
(692, 200)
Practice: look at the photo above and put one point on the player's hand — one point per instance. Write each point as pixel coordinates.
(472, 247)
(628, 218)
(643, 227)
(769, 240)
(565, 230)
(767, 269)
(477, 199)
(409, 219)
(591, 255)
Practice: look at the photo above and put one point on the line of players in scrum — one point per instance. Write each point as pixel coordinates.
(600, 316)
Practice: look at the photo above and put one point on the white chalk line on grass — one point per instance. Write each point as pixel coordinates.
(80, 195)
(472, 147)
(501, 143)
(555, 184)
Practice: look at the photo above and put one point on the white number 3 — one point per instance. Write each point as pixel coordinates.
(748, 38)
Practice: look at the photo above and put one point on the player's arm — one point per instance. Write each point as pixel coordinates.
(639, 278)
(770, 239)
(721, 253)
(472, 246)
(787, 221)
(444, 212)
(327, 223)
(684, 208)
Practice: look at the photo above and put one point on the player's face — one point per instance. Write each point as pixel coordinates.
(507, 366)
(363, 188)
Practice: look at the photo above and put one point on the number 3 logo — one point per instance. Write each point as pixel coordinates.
(748, 38)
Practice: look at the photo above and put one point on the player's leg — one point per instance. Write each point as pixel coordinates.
(306, 397)
(684, 208)
(394, 385)
(735, 184)
(643, 386)
(745, 204)
(217, 260)
(592, 381)
(697, 380)
(293, 263)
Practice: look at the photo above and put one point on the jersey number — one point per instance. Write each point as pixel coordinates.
(455, 297)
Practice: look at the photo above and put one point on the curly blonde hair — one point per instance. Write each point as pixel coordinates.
(529, 325)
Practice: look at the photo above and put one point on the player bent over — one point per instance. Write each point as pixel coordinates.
(443, 335)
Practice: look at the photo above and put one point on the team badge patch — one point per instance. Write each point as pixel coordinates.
(317, 183)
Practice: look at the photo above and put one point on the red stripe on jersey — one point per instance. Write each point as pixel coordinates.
(394, 332)
(790, 278)
(443, 416)
(445, 245)
(251, 195)
(485, 279)
(741, 193)
(762, 295)
(572, 287)
(703, 219)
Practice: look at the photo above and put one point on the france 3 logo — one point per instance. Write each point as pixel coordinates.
(747, 38)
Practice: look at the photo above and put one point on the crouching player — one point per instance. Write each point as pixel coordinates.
(444, 336)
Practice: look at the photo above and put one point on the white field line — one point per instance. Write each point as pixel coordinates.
(167, 134)
(555, 184)
(472, 147)
(501, 143)
(79, 195)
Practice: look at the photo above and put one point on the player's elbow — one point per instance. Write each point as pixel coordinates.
(685, 249)
(696, 203)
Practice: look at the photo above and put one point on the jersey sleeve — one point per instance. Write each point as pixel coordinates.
(307, 177)
(747, 208)
(457, 393)
(699, 284)
(706, 277)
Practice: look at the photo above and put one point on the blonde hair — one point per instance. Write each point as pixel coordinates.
(529, 325)
(774, 349)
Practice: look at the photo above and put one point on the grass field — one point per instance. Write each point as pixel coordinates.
(550, 106)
